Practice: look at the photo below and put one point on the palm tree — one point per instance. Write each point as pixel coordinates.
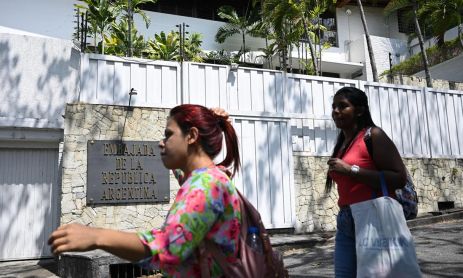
(118, 42)
(367, 36)
(243, 25)
(268, 51)
(100, 16)
(192, 47)
(127, 8)
(442, 15)
(280, 14)
(165, 47)
(395, 5)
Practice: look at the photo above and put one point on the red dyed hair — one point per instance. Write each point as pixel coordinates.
(210, 127)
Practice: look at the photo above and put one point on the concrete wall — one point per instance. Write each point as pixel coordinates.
(102, 122)
(382, 47)
(436, 180)
(37, 75)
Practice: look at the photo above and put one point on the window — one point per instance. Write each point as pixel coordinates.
(405, 23)
(330, 35)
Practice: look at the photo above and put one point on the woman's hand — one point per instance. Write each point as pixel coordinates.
(221, 113)
(73, 237)
(338, 165)
(77, 237)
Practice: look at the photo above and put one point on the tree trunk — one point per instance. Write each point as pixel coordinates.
(269, 58)
(244, 48)
(102, 43)
(460, 34)
(370, 49)
(312, 51)
(424, 56)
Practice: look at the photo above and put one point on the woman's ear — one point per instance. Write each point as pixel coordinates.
(193, 135)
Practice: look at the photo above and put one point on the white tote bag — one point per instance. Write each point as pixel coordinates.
(383, 241)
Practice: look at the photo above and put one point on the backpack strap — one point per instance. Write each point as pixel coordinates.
(212, 248)
(203, 263)
(368, 141)
(208, 246)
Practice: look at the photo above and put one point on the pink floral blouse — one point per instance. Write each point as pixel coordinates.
(206, 206)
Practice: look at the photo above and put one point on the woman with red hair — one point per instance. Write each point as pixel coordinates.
(206, 206)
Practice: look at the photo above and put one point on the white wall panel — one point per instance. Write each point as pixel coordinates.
(244, 90)
(122, 85)
(108, 80)
(458, 101)
(423, 124)
(270, 97)
(443, 123)
(257, 91)
(212, 80)
(266, 175)
(452, 126)
(405, 133)
(28, 202)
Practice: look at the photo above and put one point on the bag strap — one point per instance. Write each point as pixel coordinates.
(207, 246)
(382, 180)
(368, 141)
(202, 257)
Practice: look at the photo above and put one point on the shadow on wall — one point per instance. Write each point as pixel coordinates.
(38, 76)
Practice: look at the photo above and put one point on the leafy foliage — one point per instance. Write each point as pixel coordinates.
(117, 43)
(167, 47)
(222, 57)
(108, 19)
(442, 15)
(122, 7)
(436, 55)
(243, 25)
(101, 13)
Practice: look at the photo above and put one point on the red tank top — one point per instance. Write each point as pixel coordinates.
(350, 190)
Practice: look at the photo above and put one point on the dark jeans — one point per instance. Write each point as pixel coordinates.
(345, 260)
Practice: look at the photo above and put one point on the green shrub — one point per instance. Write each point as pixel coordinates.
(436, 55)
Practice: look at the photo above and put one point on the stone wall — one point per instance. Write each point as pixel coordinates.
(85, 122)
(421, 82)
(436, 180)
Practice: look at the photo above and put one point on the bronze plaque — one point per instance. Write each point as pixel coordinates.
(120, 172)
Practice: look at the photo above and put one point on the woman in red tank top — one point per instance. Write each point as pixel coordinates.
(355, 171)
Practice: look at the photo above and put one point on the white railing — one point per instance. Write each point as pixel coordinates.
(277, 114)
(422, 122)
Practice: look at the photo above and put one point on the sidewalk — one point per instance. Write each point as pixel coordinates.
(307, 240)
(284, 242)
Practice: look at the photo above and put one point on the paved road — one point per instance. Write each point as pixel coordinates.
(439, 250)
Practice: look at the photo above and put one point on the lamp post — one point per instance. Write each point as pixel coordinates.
(130, 20)
(181, 31)
(132, 92)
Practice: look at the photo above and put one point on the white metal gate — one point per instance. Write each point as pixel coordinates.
(266, 176)
(28, 201)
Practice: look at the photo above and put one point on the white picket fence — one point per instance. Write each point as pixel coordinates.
(276, 114)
